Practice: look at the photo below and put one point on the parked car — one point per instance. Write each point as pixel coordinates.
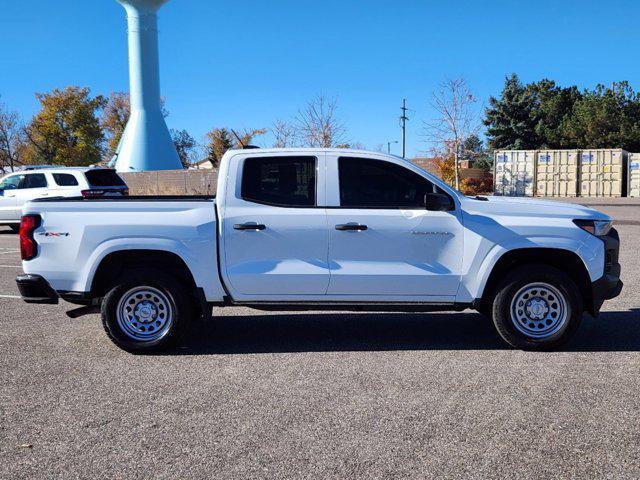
(40, 182)
(320, 229)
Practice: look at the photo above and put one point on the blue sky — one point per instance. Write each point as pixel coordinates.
(245, 64)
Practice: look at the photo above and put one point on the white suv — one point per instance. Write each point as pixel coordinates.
(37, 182)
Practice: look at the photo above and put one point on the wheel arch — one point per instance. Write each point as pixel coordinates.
(115, 263)
(566, 260)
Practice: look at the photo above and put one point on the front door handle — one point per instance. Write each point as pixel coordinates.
(351, 226)
(249, 226)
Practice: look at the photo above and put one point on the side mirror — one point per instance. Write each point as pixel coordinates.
(438, 202)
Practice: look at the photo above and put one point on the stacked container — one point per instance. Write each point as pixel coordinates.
(634, 175)
(514, 173)
(557, 173)
(603, 173)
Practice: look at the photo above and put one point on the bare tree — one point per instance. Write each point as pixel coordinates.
(318, 125)
(247, 136)
(351, 146)
(12, 139)
(285, 133)
(456, 119)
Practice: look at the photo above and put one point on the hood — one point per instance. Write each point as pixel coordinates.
(524, 206)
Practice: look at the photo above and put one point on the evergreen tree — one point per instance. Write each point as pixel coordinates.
(553, 107)
(219, 141)
(185, 146)
(473, 149)
(510, 119)
(605, 118)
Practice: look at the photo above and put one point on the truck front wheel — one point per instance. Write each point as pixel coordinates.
(537, 307)
(145, 311)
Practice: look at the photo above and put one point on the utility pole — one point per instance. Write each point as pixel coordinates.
(389, 146)
(404, 119)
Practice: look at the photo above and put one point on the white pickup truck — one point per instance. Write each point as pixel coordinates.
(320, 229)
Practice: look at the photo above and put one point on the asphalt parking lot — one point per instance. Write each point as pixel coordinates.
(254, 395)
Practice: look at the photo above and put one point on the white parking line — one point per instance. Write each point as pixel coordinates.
(10, 266)
(10, 251)
(10, 296)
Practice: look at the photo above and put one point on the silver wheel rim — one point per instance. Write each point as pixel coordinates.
(144, 314)
(539, 310)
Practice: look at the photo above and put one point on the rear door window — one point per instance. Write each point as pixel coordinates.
(65, 180)
(280, 181)
(11, 183)
(34, 180)
(104, 178)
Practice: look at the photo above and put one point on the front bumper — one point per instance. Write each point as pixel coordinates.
(610, 285)
(35, 289)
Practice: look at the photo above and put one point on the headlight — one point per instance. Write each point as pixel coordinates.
(599, 228)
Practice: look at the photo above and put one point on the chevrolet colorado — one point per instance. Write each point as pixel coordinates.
(320, 229)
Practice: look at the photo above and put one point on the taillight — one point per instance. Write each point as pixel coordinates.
(92, 193)
(28, 245)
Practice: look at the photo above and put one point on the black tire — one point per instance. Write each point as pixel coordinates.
(15, 228)
(173, 299)
(518, 289)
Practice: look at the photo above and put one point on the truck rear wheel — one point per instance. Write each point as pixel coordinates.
(537, 307)
(145, 311)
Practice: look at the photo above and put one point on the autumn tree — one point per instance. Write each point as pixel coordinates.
(455, 119)
(66, 130)
(114, 118)
(247, 136)
(12, 139)
(219, 140)
(318, 125)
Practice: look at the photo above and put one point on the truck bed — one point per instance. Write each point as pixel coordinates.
(132, 198)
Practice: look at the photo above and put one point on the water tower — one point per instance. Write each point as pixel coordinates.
(146, 143)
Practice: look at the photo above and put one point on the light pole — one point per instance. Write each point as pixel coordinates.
(389, 146)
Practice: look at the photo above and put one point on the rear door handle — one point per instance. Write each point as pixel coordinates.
(351, 226)
(249, 226)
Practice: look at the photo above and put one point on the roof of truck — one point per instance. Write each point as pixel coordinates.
(341, 151)
(305, 149)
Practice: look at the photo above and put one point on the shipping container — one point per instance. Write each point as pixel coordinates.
(603, 173)
(634, 175)
(557, 173)
(514, 173)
